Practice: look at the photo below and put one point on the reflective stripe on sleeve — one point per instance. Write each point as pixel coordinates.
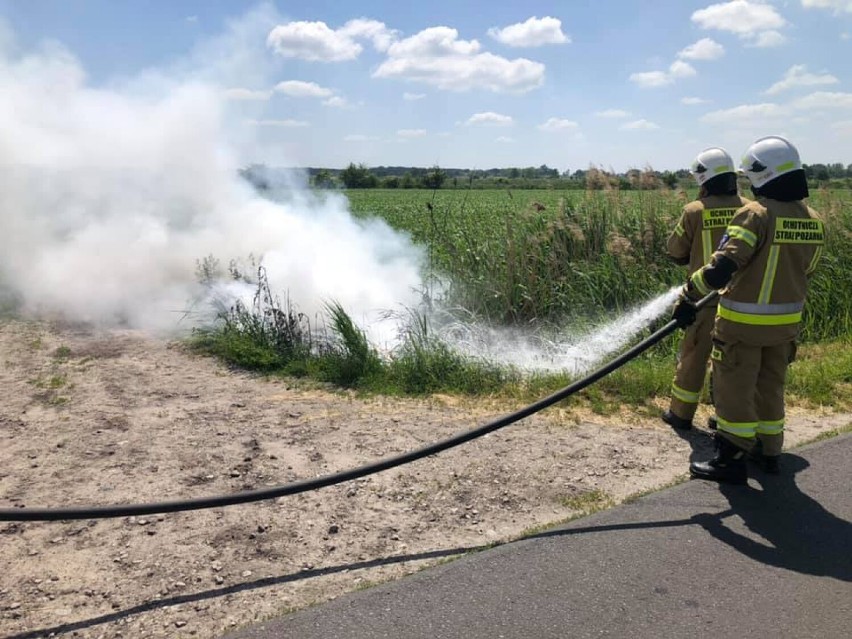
(739, 233)
(814, 261)
(698, 282)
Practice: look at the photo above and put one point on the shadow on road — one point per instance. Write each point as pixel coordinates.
(800, 534)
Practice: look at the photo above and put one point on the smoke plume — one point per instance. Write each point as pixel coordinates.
(110, 195)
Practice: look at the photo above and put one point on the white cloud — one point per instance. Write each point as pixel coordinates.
(798, 76)
(278, 123)
(655, 79)
(844, 126)
(490, 118)
(317, 42)
(681, 69)
(824, 100)
(373, 30)
(612, 113)
(704, 49)
(411, 133)
(532, 33)
(358, 137)
(844, 36)
(755, 22)
(639, 125)
(651, 79)
(411, 97)
(246, 95)
(299, 89)
(691, 101)
(336, 102)
(436, 56)
(836, 5)
(504, 139)
(191, 19)
(746, 114)
(558, 124)
(767, 39)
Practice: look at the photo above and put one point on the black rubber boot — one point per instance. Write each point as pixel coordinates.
(767, 463)
(770, 465)
(678, 423)
(728, 465)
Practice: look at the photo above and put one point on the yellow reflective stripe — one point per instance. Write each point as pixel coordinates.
(699, 283)
(740, 429)
(814, 261)
(707, 245)
(716, 353)
(771, 428)
(758, 319)
(679, 229)
(723, 169)
(739, 233)
(769, 275)
(786, 166)
(687, 397)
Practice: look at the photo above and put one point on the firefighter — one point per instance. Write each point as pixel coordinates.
(696, 236)
(767, 255)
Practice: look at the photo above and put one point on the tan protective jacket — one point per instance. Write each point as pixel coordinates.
(705, 218)
(776, 246)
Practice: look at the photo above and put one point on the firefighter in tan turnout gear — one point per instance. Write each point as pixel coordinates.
(696, 236)
(762, 267)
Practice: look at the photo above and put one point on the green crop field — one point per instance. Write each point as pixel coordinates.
(521, 256)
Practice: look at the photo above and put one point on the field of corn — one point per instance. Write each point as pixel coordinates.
(537, 258)
(548, 255)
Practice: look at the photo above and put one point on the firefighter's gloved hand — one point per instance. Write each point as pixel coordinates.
(684, 312)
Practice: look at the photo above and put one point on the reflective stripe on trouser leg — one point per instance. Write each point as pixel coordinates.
(774, 361)
(692, 365)
(736, 367)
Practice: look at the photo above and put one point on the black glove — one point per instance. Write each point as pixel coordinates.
(684, 312)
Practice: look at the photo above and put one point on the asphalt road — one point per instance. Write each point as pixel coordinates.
(771, 559)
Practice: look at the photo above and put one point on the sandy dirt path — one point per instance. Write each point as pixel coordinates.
(105, 417)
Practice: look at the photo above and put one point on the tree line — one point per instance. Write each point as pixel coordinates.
(360, 176)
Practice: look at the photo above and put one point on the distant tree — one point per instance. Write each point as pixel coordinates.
(323, 179)
(390, 182)
(358, 177)
(434, 178)
(407, 181)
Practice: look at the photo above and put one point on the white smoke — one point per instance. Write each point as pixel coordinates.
(110, 195)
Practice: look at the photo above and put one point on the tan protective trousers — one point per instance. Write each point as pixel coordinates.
(692, 364)
(748, 391)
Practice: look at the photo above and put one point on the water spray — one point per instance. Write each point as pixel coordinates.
(564, 350)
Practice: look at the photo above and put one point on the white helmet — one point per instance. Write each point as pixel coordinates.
(710, 163)
(769, 158)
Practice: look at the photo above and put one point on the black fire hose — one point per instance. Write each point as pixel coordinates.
(105, 512)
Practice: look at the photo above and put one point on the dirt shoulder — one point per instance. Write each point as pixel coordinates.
(91, 417)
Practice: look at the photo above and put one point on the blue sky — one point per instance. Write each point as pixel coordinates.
(479, 84)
